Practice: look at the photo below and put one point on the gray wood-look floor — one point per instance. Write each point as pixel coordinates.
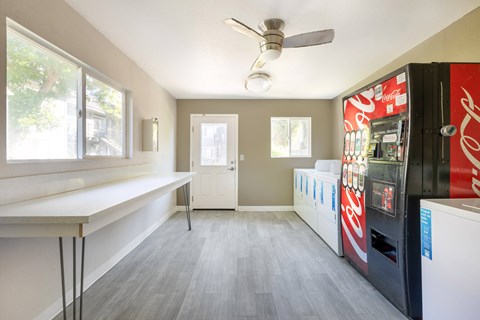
(234, 265)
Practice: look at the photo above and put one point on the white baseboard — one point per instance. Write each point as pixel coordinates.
(265, 208)
(89, 280)
(180, 208)
(251, 208)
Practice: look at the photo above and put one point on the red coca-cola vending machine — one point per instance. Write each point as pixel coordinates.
(413, 134)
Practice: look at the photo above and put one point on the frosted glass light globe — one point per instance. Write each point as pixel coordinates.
(258, 82)
(271, 54)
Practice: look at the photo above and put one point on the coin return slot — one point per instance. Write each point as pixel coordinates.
(385, 245)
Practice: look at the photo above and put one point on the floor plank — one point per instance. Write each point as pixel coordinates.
(234, 266)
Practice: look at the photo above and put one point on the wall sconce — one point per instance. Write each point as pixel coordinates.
(150, 134)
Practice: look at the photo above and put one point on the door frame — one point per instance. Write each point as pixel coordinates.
(233, 116)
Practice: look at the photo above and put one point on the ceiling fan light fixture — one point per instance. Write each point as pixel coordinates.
(272, 39)
(271, 54)
(258, 82)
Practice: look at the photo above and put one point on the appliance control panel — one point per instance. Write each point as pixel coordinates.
(387, 137)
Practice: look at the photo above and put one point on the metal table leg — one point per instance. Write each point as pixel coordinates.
(74, 274)
(62, 270)
(186, 196)
(82, 266)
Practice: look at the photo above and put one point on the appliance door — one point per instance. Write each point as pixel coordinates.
(384, 98)
(385, 231)
(385, 207)
(328, 210)
(465, 116)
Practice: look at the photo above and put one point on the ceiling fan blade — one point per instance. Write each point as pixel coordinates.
(243, 29)
(309, 39)
(259, 62)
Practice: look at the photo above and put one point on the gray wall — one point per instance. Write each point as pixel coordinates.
(459, 42)
(29, 268)
(263, 181)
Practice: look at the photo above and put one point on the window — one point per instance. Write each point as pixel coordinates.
(290, 137)
(214, 144)
(41, 102)
(48, 93)
(105, 126)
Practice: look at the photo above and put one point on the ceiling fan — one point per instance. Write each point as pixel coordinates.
(272, 40)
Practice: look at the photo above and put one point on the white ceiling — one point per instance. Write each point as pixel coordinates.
(187, 49)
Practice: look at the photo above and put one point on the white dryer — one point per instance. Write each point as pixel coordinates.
(328, 211)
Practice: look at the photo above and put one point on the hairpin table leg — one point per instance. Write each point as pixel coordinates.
(186, 196)
(62, 270)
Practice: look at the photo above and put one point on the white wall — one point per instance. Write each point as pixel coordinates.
(29, 268)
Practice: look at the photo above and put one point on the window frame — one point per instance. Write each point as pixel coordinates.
(83, 70)
(309, 119)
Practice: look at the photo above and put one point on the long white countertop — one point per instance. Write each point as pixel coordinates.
(81, 212)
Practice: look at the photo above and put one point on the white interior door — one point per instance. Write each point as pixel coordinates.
(213, 155)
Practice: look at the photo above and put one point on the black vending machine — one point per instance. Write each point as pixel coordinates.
(419, 130)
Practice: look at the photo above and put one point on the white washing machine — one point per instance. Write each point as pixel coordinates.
(328, 211)
(450, 237)
(305, 203)
(317, 201)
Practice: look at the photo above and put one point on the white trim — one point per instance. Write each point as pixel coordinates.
(180, 208)
(249, 208)
(55, 308)
(128, 124)
(265, 208)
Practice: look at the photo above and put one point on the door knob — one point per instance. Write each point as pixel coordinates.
(231, 168)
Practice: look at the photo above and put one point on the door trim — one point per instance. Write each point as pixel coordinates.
(197, 115)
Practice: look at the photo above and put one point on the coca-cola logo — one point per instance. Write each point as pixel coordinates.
(353, 211)
(391, 96)
(364, 101)
(470, 146)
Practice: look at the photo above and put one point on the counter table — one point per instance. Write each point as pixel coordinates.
(81, 212)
